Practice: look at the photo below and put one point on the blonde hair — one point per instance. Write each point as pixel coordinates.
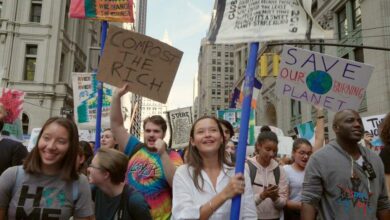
(113, 162)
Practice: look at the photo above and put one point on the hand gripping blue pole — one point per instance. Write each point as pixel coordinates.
(245, 113)
(100, 90)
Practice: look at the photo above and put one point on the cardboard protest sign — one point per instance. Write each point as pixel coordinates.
(146, 64)
(331, 82)
(180, 123)
(85, 100)
(118, 10)
(234, 117)
(238, 21)
(371, 124)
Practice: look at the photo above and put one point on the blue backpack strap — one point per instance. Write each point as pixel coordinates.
(18, 178)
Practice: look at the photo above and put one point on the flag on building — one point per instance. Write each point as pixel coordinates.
(118, 10)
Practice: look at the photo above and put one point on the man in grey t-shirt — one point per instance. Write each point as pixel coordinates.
(345, 180)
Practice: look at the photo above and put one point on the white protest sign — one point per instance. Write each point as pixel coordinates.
(371, 124)
(331, 82)
(238, 21)
(85, 100)
(147, 65)
(33, 138)
(180, 122)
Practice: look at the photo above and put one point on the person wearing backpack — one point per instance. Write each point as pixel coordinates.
(48, 185)
(113, 198)
(269, 181)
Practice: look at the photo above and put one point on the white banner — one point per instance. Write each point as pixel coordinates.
(85, 100)
(331, 82)
(371, 124)
(239, 21)
(180, 122)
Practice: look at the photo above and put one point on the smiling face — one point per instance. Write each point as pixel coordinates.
(348, 126)
(107, 139)
(207, 137)
(53, 146)
(152, 132)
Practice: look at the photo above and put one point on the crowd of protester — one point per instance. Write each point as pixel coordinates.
(62, 178)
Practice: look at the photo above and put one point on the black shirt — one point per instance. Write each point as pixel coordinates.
(12, 153)
(385, 156)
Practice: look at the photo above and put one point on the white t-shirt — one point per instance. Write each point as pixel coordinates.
(295, 180)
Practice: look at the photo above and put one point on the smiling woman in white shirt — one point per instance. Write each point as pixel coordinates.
(204, 187)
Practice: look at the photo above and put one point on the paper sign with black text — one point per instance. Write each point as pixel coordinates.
(147, 65)
(331, 82)
(180, 123)
(239, 21)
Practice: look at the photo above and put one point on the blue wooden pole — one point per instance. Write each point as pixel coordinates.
(100, 90)
(245, 115)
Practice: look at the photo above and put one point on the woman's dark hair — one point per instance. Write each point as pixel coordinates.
(385, 130)
(86, 150)
(298, 142)
(194, 158)
(33, 162)
(228, 126)
(267, 135)
(265, 128)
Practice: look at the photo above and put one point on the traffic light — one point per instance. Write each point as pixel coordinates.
(264, 65)
(275, 64)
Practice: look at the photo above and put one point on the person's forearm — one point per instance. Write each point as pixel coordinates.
(2, 214)
(207, 209)
(293, 205)
(116, 113)
(169, 167)
(319, 137)
(308, 212)
(383, 214)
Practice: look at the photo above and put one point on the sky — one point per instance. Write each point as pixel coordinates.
(184, 23)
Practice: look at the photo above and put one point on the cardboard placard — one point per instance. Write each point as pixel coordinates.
(146, 64)
(330, 82)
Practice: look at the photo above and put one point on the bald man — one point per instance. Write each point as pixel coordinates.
(345, 180)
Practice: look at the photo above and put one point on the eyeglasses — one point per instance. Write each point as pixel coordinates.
(96, 167)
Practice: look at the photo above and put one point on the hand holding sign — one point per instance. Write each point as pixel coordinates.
(147, 65)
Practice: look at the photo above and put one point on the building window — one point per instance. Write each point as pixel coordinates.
(25, 122)
(359, 55)
(343, 23)
(35, 13)
(30, 62)
(357, 14)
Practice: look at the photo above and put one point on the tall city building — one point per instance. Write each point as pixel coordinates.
(215, 77)
(355, 22)
(39, 49)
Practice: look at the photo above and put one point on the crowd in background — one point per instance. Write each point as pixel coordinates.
(62, 178)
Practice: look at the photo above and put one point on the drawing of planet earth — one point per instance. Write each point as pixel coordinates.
(319, 82)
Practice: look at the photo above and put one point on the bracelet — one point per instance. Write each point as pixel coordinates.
(319, 117)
